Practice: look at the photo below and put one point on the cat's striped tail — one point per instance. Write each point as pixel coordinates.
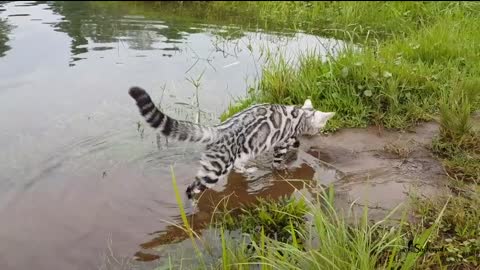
(180, 130)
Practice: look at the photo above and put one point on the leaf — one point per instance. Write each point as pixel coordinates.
(367, 93)
(422, 239)
(328, 75)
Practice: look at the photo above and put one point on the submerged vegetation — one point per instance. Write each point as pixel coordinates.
(406, 62)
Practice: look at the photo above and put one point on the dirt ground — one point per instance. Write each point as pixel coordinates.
(380, 168)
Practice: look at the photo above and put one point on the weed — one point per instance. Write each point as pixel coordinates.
(400, 149)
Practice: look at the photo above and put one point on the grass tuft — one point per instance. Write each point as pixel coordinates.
(327, 239)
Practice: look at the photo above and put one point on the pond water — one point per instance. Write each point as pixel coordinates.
(80, 172)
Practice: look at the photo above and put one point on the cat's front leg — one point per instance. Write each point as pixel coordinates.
(239, 165)
(293, 143)
(279, 154)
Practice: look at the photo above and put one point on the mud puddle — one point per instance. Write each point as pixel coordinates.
(381, 168)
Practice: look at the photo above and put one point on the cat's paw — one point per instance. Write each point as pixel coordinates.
(193, 204)
(279, 166)
(240, 169)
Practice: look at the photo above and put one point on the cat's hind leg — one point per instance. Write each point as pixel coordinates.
(215, 165)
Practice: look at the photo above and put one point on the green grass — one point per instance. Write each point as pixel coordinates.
(391, 87)
(412, 54)
(396, 81)
(296, 233)
(375, 19)
(458, 145)
(315, 235)
(272, 219)
(457, 245)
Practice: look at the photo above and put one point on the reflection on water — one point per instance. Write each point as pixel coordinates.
(4, 31)
(99, 23)
(79, 167)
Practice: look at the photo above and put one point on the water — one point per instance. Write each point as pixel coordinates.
(79, 174)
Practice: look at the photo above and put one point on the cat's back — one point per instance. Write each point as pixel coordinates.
(246, 116)
(255, 115)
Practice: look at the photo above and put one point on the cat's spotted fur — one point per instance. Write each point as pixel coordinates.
(234, 142)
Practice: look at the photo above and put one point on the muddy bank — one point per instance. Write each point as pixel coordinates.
(381, 167)
(366, 166)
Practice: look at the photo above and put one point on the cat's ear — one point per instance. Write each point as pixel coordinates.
(327, 115)
(307, 104)
(323, 117)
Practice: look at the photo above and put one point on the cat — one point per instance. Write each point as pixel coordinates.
(242, 137)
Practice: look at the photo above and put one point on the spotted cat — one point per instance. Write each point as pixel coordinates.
(231, 144)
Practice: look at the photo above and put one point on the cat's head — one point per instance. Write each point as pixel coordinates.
(316, 120)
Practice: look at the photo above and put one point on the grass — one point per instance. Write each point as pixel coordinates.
(271, 219)
(400, 149)
(296, 233)
(316, 235)
(460, 154)
(374, 19)
(412, 54)
(395, 81)
(388, 87)
(458, 144)
(457, 245)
